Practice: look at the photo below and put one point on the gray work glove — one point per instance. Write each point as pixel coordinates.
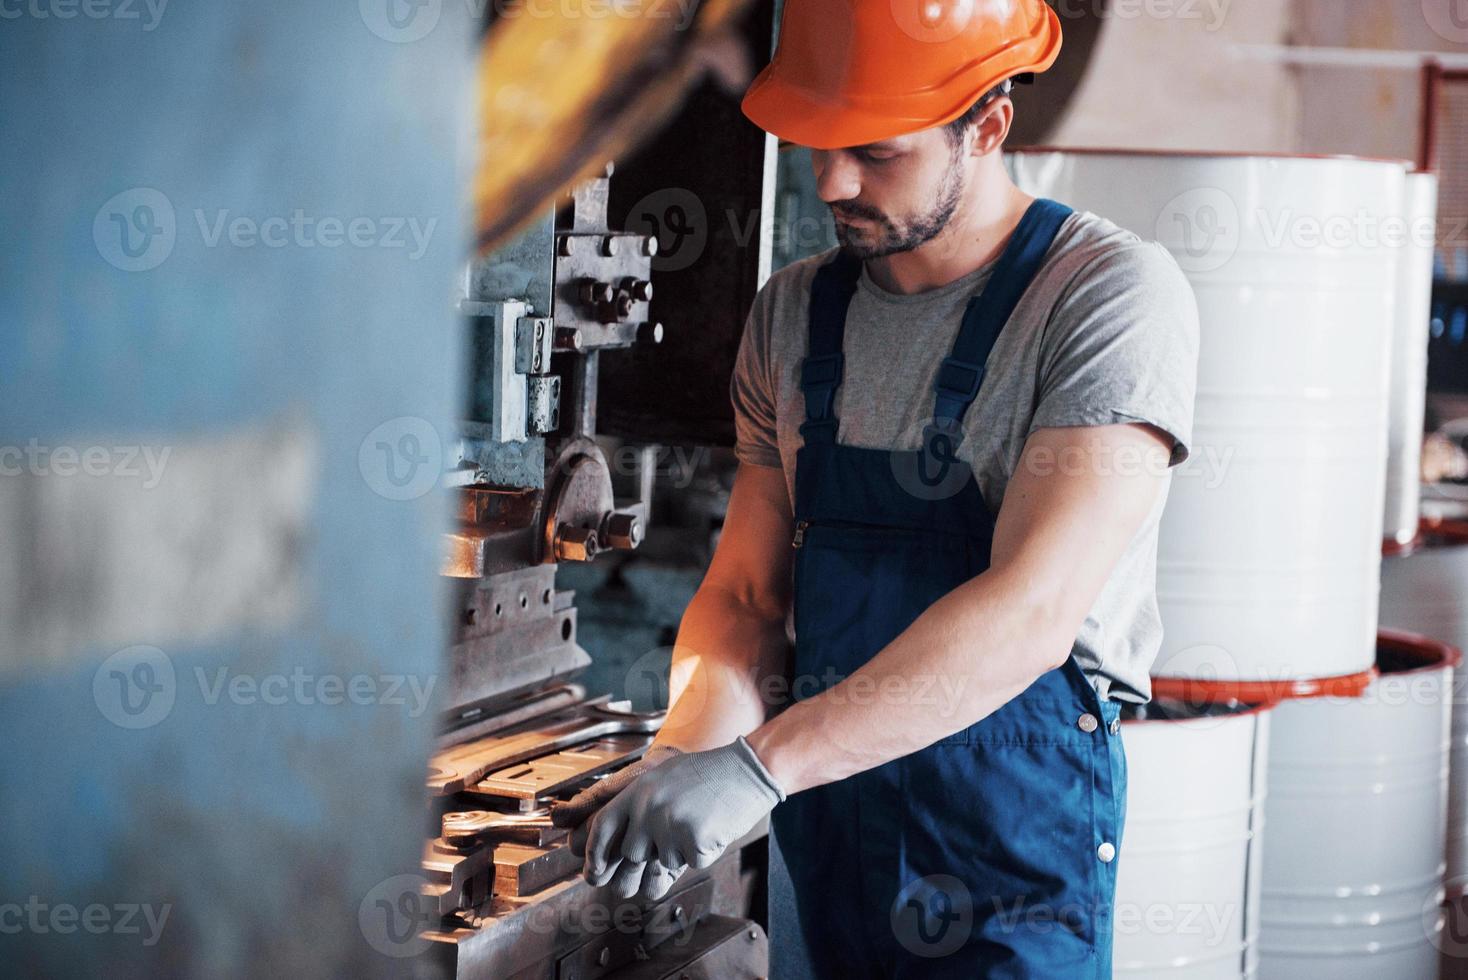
(577, 811)
(685, 811)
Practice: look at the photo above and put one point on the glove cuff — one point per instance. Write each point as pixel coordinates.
(757, 768)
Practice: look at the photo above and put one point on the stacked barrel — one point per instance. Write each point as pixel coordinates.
(1288, 783)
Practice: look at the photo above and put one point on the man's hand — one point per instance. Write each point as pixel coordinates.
(576, 811)
(684, 812)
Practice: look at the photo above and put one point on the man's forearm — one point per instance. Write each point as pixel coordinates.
(725, 651)
(963, 658)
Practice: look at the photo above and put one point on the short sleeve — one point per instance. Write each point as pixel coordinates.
(752, 389)
(1122, 347)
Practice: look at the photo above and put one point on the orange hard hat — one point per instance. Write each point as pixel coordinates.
(848, 72)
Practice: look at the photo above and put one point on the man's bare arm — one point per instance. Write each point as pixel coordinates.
(1068, 514)
(733, 632)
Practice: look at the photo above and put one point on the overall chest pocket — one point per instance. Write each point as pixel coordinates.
(856, 588)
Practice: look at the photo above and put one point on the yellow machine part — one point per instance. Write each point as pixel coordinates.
(568, 85)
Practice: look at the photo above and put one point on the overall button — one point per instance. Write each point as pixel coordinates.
(1106, 852)
(1115, 726)
(1087, 723)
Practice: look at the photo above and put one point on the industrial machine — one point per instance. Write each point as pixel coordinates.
(501, 894)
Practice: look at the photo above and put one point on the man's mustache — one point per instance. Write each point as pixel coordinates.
(848, 211)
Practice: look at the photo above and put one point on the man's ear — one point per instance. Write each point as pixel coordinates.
(992, 127)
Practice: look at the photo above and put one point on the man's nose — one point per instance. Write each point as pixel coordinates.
(837, 177)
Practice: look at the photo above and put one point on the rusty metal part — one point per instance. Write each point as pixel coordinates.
(516, 636)
(532, 936)
(622, 531)
(520, 869)
(457, 878)
(720, 948)
(677, 917)
(474, 723)
(576, 543)
(466, 828)
(458, 768)
(550, 774)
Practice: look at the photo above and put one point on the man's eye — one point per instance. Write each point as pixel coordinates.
(870, 157)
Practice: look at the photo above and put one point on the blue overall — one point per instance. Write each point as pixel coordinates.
(990, 853)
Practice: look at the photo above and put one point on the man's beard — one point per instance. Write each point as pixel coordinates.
(884, 236)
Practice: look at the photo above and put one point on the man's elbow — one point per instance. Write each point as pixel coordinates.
(1051, 621)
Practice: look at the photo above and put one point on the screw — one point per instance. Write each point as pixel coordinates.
(622, 531)
(593, 291)
(575, 543)
(650, 333)
(568, 338)
(610, 245)
(566, 245)
(650, 245)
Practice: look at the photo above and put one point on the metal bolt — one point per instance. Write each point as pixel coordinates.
(623, 305)
(593, 291)
(568, 338)
(650, 333)
(639, 289)
(650, 245)
(566, 245)
(576, 543)
(610, 245)
(623, 531)
(604, 957)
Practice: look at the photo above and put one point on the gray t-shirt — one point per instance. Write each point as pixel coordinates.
(1107, 333)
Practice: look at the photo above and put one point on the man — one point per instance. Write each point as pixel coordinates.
(963, 419)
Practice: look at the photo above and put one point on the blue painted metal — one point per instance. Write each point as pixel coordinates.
(262, 828)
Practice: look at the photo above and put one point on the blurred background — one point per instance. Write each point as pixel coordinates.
(364, 418)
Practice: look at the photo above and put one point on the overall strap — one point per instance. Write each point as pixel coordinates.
(820, 373)
(962, 372)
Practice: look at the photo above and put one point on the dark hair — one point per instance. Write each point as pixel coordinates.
(954, 130)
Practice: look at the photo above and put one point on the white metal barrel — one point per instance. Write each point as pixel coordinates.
(1409, 360)
(1270, 545)
(1358, 789)
(1426, 591)
(1187, 892)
